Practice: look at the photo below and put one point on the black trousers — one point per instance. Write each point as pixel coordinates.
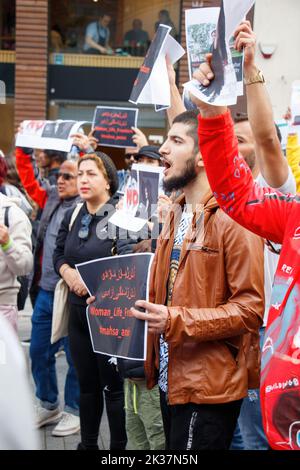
(199, 427)
(95, 375)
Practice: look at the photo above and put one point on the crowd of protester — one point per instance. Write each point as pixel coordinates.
(211, 279)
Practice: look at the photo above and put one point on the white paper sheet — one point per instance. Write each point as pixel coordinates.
(48, 135)
(235, 12)
(227, 86)
(157, 89)
(144, 178)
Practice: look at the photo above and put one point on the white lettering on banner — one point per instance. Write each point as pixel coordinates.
(297, 234)
(291, 383)
(287, 269)
(276, 306)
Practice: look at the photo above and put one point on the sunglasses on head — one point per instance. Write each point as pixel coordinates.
(85, 226)
(65, 176)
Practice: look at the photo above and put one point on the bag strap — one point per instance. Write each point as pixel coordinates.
(74, 215)
(6, 219)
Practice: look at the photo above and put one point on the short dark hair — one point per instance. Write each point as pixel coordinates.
(189, 118)
(240, 117)
(56, 156)
(164, 12)
(104, 13)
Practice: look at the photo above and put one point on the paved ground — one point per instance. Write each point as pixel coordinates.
(48, 442)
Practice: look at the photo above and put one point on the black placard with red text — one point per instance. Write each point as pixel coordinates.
(117, 283)
(113, 126)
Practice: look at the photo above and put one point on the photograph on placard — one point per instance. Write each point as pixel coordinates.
(58, 130)
(148, 194)
(201, 30)
(48, 135)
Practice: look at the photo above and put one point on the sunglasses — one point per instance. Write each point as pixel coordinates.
(128, 156)
(85, 226)
(65, 176)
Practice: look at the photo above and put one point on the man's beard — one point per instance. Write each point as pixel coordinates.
(178, 182)
(250, 160)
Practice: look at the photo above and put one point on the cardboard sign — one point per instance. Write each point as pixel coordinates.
(117, 283)
(48, 135)
(113, 126)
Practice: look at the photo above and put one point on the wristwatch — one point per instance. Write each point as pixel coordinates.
(256, 78)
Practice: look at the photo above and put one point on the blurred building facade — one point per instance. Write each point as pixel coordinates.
(47, 74)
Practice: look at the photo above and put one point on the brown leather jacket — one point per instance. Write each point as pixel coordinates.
(217, 309)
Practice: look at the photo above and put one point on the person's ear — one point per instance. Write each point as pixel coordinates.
(199, 160)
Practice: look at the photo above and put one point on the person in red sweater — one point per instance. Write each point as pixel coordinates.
(275, 217)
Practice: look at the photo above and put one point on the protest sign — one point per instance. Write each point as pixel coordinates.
(201, 31)
(48, 135)
(142, 190)
(152, 84)
(226, 63)
(113, 126)
(235, 11)
(200, 27)
(117, 283)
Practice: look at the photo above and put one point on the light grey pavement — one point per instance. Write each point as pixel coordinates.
(49, 442)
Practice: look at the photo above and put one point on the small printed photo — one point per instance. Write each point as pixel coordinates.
(201, 39)
(148, 193)
(58, 130)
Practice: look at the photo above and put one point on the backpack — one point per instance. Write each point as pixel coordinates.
(23, 280)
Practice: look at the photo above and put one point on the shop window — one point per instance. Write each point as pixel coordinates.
(7, 25)
(109, 27)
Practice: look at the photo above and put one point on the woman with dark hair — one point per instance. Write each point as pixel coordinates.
(91, 237)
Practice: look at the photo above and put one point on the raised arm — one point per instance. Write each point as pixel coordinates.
(261, 210)
(37, 193)
(272, 163)
(177, 106)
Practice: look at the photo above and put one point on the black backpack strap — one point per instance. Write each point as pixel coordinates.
(6, 221)
(3, 190)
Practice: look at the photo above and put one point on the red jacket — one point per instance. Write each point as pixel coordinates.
(276, 217)
(27, 177)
